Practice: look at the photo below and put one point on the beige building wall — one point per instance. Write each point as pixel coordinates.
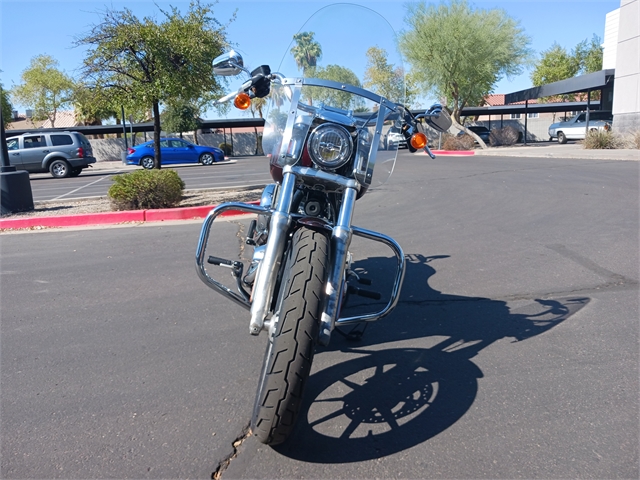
(626, 96)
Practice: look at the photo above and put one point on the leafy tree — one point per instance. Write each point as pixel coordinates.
(180, 116)
(382, 78)
(459, 53)
(589, 55)
(92, 105)
(140, 60)
(335, 98)
(44, 88)
(306, 51)
(556, 64)
(7, 108)
(257, 107)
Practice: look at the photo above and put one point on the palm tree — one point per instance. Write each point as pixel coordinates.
(306, 51)
(257, 106)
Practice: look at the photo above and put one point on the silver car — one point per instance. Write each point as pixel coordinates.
(574, 129)
(63, 154)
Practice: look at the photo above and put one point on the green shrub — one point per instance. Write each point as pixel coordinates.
(146, 189)
(453, 142)
(226, 148)
(601, 139)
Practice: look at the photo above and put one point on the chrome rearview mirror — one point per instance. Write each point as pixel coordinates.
(228, 64)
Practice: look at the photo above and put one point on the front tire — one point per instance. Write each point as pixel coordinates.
(562, 139)
(289, 354)
(207, 159)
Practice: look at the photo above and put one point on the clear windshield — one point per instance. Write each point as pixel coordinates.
(341, 67)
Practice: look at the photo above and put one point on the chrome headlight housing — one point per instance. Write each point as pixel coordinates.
(330, 146)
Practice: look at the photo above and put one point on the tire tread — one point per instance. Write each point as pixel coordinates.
(289, 364)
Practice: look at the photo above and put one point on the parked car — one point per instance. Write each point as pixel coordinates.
(63, 154)
(480, 130)
(574, 129)
(396, 138)
(172, 151)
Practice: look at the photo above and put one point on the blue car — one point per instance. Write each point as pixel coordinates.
(173, 150)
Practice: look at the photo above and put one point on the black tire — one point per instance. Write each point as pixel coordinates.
(562, 138)
(147, 162)
(59, 169)
(75, 172)
(207, 159)
(289, 354)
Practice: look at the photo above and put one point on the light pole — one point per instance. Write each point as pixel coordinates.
(15, 185)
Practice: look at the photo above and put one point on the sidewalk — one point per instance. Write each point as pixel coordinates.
(555, 150)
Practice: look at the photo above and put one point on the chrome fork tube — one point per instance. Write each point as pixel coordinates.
(268, 271)
(340, 241)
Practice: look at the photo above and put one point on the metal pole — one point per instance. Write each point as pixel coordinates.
(586, 127)
(4, 153)
(526, 117)
(124, 129)
(15, 186)
(131, 130)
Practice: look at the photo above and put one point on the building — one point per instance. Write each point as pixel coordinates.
(622, 49)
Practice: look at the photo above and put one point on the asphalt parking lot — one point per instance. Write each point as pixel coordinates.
(513, 352)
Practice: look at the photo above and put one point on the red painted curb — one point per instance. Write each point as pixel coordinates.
(110, 218)
(184, 213)
(462, 153)
(105, 218)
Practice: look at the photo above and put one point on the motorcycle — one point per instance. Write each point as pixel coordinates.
(325, 136)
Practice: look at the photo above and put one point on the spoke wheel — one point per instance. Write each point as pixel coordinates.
(289, 354)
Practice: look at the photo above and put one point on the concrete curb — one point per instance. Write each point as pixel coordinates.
(111, 218)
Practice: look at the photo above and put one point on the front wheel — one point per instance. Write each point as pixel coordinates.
(562, 139)
(207, 159)
(287, 361)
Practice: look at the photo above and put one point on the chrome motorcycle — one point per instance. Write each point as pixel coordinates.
(325, 139)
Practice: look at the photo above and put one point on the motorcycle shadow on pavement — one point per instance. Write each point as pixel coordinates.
(384, 400)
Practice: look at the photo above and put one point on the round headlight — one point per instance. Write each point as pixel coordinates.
(330, 146)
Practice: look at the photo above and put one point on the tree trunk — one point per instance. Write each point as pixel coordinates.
(469, 132)
(156, 135)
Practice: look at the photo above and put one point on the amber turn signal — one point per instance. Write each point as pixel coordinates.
(242, 101)
(418, 140)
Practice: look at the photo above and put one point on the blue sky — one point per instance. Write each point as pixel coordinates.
(263, 29)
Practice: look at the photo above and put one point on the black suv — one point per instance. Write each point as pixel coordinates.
(63, 154)
(480, 130)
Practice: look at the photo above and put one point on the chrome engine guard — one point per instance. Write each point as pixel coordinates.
(331, 303)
